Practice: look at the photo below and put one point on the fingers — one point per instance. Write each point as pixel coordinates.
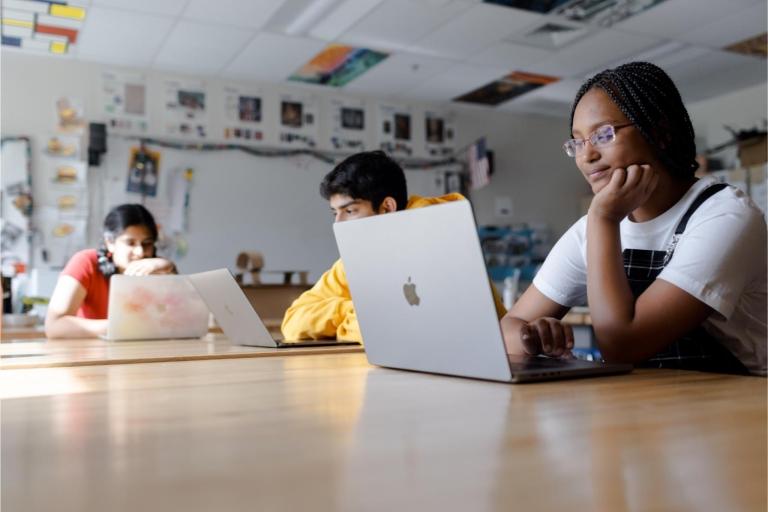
(635, 174)
(530, 339)
(569, 341)
(554, 337)
(618, 177)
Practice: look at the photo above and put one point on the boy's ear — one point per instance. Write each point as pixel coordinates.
(388, 205)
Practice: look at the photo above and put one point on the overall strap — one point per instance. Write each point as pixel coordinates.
(703, 196)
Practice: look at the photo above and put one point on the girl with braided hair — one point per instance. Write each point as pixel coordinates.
(78, 306)
(673, 267)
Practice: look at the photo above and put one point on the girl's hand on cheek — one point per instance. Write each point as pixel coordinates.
(627, 190)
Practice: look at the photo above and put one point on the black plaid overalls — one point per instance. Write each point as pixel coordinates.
(697, 350)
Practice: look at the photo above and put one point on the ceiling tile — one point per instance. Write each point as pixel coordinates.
(195, 47)
(387, 28)
(541, 106)
(674, 17)
(111, 35)
(399, 72)
(510, 56)
(166, 7)
(273, 57)
(474, 29)
(554, 100)
(716, 73)
(453, 82)
(243, 13)
(739, 25)
(603, 48)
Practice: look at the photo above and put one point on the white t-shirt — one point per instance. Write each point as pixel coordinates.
(720, 259)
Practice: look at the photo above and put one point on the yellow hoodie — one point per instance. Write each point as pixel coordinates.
(325, 311)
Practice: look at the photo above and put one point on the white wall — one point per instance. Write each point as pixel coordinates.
(741, 110)
(531, 168)
(244, 202)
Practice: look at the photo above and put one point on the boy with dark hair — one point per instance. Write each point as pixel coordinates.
(364, 184)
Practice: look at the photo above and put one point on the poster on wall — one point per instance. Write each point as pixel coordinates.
(65, 199)
(70, 116)
(63, 146)
(439, 134)
(348, 124)
(244, 114)
(143, 172)
(124, 102)
(186, 111)
(298, 121)
(63, 171)
(63, 234)
(395, 130)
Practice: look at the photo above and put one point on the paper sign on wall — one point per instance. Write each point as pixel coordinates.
(395, 130)
(348, 124)
(298, 121)
(439, 134)
(124, 102)
(244, 114)
(186, 110)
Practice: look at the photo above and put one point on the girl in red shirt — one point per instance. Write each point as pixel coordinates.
(78, 307)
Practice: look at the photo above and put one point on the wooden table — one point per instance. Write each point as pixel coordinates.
(44, 353)
(22, 333)
(330, 433)
(10, 334)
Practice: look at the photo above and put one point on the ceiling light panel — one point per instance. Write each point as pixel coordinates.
(241, 13)
(395, 24)
(273, 57)
(197, 47)
(476, 28)
(345, 15)
(122, 37)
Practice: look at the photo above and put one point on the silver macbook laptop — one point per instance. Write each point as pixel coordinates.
(154, 307)
(237, 318)
(423, 299)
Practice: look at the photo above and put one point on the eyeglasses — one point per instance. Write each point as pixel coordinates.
(599, 138)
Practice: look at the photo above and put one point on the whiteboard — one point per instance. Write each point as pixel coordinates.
(14, 187)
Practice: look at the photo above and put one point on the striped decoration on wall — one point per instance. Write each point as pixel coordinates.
(49, 26)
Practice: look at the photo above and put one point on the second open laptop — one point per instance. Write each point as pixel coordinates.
(235, 315)
(424, 303)
(153, 308)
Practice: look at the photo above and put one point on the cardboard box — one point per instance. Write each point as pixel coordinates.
(753, 151)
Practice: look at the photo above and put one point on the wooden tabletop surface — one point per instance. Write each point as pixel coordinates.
(329, 432)
(45, 353)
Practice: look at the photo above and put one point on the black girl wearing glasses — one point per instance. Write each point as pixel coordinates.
(78, 306)
(673, 267)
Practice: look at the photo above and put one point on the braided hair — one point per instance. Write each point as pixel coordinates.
(652, 103)
(118, 220)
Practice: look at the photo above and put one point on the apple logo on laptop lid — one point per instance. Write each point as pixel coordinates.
(409, 290)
